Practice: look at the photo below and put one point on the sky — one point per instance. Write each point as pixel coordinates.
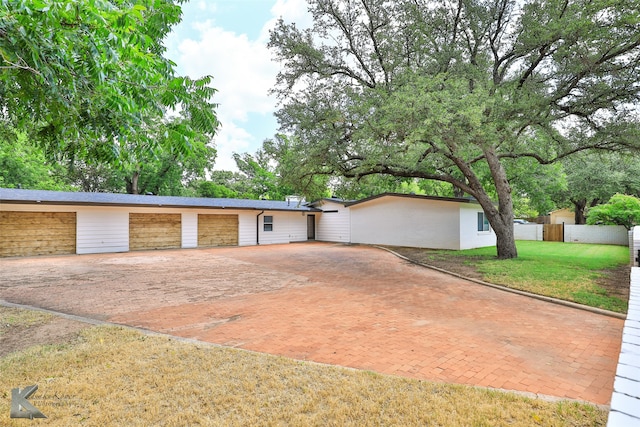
(227, 39)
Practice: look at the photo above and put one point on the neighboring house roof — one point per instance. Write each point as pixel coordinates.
(14, 196)
(330, 199)
(413, 196)
(561, 211)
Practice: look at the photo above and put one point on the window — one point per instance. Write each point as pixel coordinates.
(483, 222)
(268, 223)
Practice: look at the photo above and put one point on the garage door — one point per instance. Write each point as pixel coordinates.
(217, 230)
(37, 233)
(154, 231)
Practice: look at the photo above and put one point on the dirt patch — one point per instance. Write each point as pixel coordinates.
(616, 282)
(47, 331)
(438, 260)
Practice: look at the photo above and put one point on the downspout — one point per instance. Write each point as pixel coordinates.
(258, 228)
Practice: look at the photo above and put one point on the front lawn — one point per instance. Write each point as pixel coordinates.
(593, 275)
(111, 376)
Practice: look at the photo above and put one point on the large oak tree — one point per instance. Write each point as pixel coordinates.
(457, 90)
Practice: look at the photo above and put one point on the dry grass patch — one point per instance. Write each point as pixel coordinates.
(15, 318)
(114, 376)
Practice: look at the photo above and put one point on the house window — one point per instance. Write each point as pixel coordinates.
(268, 223)
(483, 222)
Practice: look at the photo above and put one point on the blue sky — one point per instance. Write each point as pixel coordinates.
(227, 39)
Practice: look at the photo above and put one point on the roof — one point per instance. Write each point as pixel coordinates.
(330, 199)
(563, 210)
(15, 196)
(414, 196)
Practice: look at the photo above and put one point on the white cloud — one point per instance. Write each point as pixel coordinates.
(203, 5)
(231, 139)
(242, 73)
(290, 11)
(242, 69)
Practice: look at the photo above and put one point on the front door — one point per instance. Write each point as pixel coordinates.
(311, 227)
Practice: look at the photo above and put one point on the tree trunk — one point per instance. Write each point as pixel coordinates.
(132, 184)
(458, 192)
(505, 241)
(578, 207)
(501, 219)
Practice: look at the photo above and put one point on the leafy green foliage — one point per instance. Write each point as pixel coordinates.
(213, 190)
(536, 187)
(619, 210)
(588, 184)
(88, 80)
(468, 93)
(23, 165)
(279, 156)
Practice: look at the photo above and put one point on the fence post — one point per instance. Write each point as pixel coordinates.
(634, 246)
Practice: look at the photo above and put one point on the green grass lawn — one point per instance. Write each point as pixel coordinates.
(568, 271)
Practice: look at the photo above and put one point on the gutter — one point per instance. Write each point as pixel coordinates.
(258, 228)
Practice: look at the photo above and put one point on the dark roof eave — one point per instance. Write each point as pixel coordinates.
(412, 196)
(151, 205)
(328, 199)
(33, 197)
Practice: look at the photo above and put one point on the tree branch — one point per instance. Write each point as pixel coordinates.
(352, 47)
(18, 66)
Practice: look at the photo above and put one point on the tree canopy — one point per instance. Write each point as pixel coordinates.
(23, 165)
(458, 91)
(593, 179)
(619, 210)
(87, 79)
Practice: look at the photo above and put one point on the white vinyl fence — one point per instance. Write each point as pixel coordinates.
(634, 246)
(602, 234)
(527, 231)
(625, 400)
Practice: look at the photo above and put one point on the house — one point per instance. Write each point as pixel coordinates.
(35, 222)
(562, 216)
(406, 220)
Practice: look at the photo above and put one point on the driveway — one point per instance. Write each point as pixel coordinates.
(353, 306)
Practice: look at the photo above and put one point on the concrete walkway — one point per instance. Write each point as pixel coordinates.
(353, 306)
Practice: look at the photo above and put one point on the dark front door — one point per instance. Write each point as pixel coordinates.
(311, 227)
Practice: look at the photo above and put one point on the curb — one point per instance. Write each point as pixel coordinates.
(96, 322)
(513, 291)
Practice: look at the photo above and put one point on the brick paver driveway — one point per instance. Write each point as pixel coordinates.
(353, 306)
